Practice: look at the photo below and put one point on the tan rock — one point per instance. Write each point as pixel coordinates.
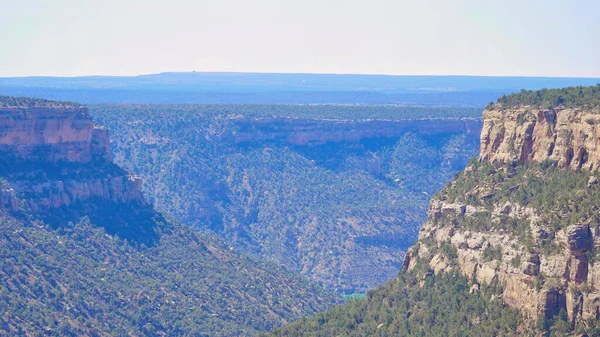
(524, 134)
(52, 135)
(439, 264)
(538, 281)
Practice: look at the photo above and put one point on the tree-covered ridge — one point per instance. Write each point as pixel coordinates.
(309, 111)
(29, 102)
(570, 97)
(417, 303)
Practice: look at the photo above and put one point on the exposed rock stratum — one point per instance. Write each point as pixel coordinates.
(546, 268)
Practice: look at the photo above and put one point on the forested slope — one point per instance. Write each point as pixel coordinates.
(78, 281)
(417, 303)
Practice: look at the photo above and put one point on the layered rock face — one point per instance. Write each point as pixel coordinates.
(307, 132)
(568, 136)
(545, 262)
(56, 157)
(53, 194)
(540, 284)
(52, 135)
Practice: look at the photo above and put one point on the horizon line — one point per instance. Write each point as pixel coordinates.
(293, 73)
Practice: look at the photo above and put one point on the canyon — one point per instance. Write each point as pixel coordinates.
(511, 244)
(335, 198)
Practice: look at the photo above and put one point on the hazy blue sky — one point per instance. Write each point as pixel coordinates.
(471, 37)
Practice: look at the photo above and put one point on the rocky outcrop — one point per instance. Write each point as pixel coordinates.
(544, 268)
(64, 193)
(497, 256)
(56, 157)
(568, 136)
(52, 135)
(307, 132)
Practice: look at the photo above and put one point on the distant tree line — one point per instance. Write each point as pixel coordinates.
(29, 102)
(570, 97)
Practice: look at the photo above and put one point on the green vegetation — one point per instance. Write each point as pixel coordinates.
(516, 261)
(78, 280)
(561, 197)
(449, 251)
(581, 97)
(341, 213)
(28, 102)
(354, 296)
(75, 265)
(491, 253)
(303, 111)
(418, 303)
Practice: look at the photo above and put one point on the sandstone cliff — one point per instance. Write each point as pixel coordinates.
(525, 134)
(53, 157)
(521, 217)
(52, 135)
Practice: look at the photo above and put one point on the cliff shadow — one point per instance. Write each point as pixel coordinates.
(134, 222)
(43, 184)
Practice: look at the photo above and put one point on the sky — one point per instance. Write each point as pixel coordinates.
(396, 37)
